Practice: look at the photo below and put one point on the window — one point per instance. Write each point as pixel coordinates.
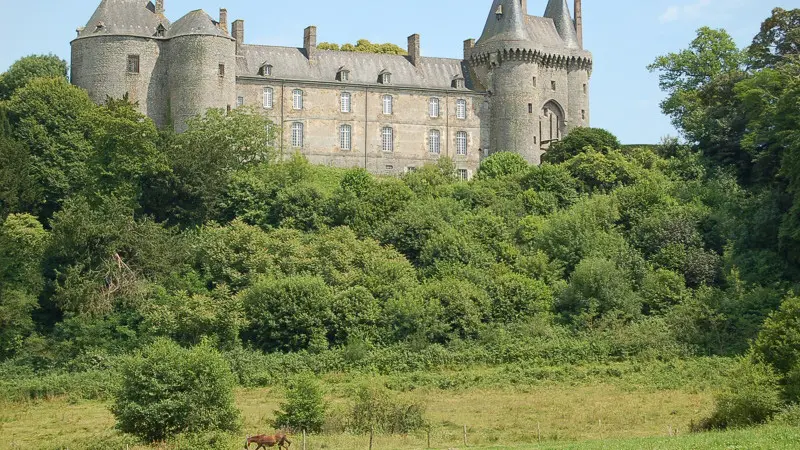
(297, 135)
(385, 78)
(297, 99)
(239, 101)
(433, 107)
(411, 169)
(343, 75)
(388, 105)
(346, 137)
(585, 89)
(553, 85)
(461, 109)
(463, 174)
(458, 82)
(345, 103)
(160, 31)
(461, 143)
(268, 97)
(133, 63)
(265, 71)
(389, 167)
(583, 114)
(534, 81)
(434, 142)
(530, 108)
(222, 70)
(387, 139)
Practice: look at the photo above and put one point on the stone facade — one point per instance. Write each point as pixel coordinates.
(520, 87)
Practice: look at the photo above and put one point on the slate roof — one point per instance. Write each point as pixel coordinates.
(197, 22)
(292, 63)
(514, 28)
(124, 17)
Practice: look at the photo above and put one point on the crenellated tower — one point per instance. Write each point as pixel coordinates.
(536, 74)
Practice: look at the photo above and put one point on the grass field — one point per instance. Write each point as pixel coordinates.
(633, 409)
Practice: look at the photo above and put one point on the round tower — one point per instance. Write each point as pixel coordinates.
(536, 75)
(118, 53)
(202, 67)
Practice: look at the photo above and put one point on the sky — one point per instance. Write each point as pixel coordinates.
(623, 35)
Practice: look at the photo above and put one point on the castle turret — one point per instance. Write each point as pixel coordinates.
(202, 74)
(117, 54)
(536, 76)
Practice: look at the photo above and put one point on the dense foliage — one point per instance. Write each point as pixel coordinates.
(364, 46)
(115, 235)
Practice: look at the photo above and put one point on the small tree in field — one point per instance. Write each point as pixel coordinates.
(305, 406)
(167, 390)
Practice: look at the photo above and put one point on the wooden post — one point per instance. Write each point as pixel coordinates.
(538, 432)
(429, 437)
(304, 439)
(371, 436)
(465, 436)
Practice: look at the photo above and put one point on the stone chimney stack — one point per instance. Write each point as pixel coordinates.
(237, 31)
(223, 19)
(310, 41)
(469, 44)
(159, 6)
(414, 49)
(579, 21)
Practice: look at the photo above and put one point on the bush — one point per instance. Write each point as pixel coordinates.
(598, 288)
(167, 390)
(779, 340)
(304, 408)
(375, 407)
(752, 397)
(579, 139)
(502, 164)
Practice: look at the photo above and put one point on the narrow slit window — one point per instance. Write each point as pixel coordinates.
(222, 70)
(530, 108)
(534, 82)
(553, 85)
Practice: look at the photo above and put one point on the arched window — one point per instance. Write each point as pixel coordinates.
(434, 142)
(387, 139)
(388, 105)
(297, 99)
(346, 137)
(268, 97)
(345, 102)
(297, 135)
(461, 143)
(461, 109)
(433, 107)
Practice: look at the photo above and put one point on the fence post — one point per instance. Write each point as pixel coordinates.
(371, 436)
(304, 439)
(465, 436)
(538, 431)
(429, 436)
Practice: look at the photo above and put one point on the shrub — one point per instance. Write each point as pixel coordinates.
(598, 288)
(579, 139)
(375, 407)
(305, 406)
(167, 390)
(752, 397)
(779, 340)
(502, 164)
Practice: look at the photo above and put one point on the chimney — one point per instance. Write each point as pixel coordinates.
(579, 21)
(310, 41)
(159, 6)
(469, 44)
(223, 19)
(413, 49)
(237, 31)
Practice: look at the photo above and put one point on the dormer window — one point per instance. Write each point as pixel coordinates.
(499, 12)
(343, 74)
(458, 82)
(265, 70)
(100, 26)
(161, 31)
(385, 77)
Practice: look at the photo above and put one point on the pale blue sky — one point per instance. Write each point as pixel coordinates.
(624, 35)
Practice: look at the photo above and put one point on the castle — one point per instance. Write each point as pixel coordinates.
(523, 85)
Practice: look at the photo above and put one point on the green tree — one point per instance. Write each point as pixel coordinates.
(304, 408)
(167, 390)
(578, 140)
(288, 314)
(502, 164)
(19, 190)
(364, 46)
(777, 41)
(28, 68)
(779, 341)
(22, 244)
(464, 306)
(596, 289)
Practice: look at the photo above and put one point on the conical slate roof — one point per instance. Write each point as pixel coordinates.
(197, 22)
(558, 10)
(124, 17)
(506, 22)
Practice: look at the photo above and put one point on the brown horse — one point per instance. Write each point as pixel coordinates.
(264, 441)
